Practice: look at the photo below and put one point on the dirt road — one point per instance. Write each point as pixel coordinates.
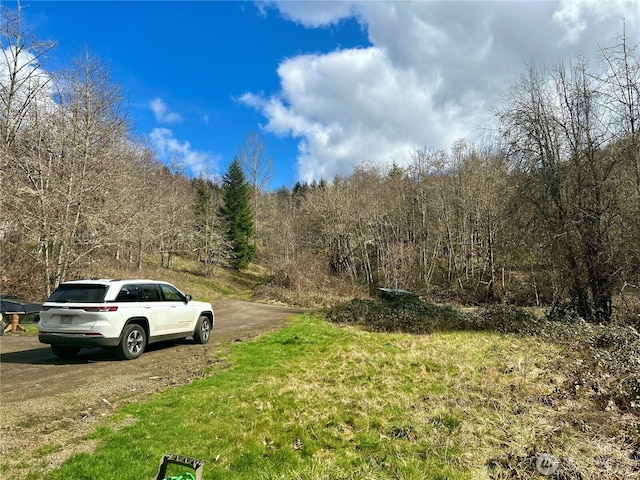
(49, 401)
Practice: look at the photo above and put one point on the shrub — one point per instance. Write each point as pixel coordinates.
(508, 319)
(414, 315)
(605, 364)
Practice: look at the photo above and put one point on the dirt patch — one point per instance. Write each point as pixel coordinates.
(50, 405)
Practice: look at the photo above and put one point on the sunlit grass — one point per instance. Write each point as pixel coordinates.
(189, 276)
(317, 401)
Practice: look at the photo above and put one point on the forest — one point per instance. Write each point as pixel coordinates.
(545, 211)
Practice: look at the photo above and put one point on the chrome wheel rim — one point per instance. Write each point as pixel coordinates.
(134, 342)
(205, 330)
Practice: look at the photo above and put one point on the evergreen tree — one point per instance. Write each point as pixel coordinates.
(236, 212)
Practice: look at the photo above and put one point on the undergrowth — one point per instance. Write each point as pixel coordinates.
(602, 362)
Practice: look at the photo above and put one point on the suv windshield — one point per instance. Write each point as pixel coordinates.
(78, 293)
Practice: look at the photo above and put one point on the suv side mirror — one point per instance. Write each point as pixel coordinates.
(188, 298)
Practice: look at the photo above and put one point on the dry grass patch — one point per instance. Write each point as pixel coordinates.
(486, 404)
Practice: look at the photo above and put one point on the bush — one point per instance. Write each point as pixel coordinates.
(508, 319)
(413, 315)
(397, 314)
(605, 364)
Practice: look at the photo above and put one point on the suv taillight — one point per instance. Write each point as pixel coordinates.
(101, 308)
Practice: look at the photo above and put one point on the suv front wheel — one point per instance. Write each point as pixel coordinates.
(203, 330)
(132, 343)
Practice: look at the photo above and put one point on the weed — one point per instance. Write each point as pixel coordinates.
(48, 449)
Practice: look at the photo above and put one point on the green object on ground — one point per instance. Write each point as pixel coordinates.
(184, 476)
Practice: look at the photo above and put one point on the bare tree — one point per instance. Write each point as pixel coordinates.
(210, 241)
(23, 82)
(134, 196)
(620, 97)
(175, 211)
(259, 171)
(67, 166)
(478, 182)
(24, 87)
(557, 131)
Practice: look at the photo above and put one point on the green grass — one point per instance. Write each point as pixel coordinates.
(319, 401)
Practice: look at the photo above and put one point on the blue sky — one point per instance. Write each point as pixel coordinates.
(328, 85)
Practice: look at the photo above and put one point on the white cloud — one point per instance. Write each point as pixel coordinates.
(575, 16)
(169, 148)
(312, 13)
(434, 73)
(162, 112)
(350, 107)
(33, 85)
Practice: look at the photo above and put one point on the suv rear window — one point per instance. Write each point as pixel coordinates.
(79, 293)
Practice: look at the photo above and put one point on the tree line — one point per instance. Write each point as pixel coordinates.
(547, 212)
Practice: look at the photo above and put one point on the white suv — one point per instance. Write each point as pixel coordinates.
(122, 314)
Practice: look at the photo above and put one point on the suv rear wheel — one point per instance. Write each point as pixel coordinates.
(132, 343)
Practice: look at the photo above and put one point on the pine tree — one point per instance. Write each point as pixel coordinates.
(236, 212)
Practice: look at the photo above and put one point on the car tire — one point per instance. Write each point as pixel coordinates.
(132, 343)
(203, 330)
(63, 351)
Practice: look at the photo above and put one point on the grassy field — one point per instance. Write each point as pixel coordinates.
(320, 401)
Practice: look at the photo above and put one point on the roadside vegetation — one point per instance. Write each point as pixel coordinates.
(323, 401)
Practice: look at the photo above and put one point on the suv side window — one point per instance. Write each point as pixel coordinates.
(128, 293)
(171, 294)
(149, 293)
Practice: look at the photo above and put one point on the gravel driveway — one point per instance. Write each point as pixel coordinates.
(48, 401)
